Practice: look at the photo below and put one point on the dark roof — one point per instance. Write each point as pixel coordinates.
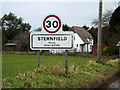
(10, 44)
(38, 29)
(84, 34)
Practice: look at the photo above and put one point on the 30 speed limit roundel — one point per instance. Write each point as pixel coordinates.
(52, 23)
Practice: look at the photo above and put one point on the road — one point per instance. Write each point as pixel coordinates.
(116, 84)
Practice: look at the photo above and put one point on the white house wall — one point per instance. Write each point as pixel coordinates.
(90, 45)
(56, 51)
(77, 41)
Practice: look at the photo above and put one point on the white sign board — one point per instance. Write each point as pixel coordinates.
(51, 41)
(51, 36)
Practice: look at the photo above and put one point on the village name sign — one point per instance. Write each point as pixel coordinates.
(51, 36)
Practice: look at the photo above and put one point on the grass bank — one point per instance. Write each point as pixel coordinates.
(13, 64)
(82, 72)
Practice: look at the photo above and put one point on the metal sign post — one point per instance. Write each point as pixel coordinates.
(38, 54)
(66, 58)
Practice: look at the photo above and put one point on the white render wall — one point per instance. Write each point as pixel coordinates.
(57, 51)
(90, 45)
(77, 41)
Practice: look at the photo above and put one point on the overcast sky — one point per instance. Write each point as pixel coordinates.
(71, 13)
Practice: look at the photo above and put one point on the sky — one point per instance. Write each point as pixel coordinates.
(72, 13)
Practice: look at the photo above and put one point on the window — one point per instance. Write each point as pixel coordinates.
(82, 47)
(90, 39)
(90, 47)
(76, 45)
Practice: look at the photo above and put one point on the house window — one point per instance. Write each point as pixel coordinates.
(90, 47)
(76, 45)
(52, 51)
(82, 46)
(74, 37)
(90, 39)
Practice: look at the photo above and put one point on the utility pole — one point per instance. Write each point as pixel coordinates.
(99, 32)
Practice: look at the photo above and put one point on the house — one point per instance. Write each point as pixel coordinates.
(83, 41)
(10, 45)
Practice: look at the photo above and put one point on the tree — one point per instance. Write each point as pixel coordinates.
(105, 34)
(93, 31)
(114, 32)
(105, 20)
(23, 41)
(110, 33)
(12, 26)
(115, 21)
(85, 27)
(105, 26)
(65, 27)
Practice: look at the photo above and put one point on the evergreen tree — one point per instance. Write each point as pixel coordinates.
(65, 27)
(85, 27)
(114, 32)
(12, 26)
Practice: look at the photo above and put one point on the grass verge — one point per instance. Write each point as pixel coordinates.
(12, 64)
(89, 75)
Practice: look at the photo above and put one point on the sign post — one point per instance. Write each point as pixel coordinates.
(52, 37)
(38, 54)
(118, 45)
(66, 58)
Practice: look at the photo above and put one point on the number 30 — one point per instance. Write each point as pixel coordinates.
(54, 24)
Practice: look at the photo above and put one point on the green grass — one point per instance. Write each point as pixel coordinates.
(13, 64)
(19, 71)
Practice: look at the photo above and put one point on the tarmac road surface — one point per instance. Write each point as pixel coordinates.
(115, 84)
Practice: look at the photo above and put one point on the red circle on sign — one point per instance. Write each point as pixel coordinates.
(58, 26)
